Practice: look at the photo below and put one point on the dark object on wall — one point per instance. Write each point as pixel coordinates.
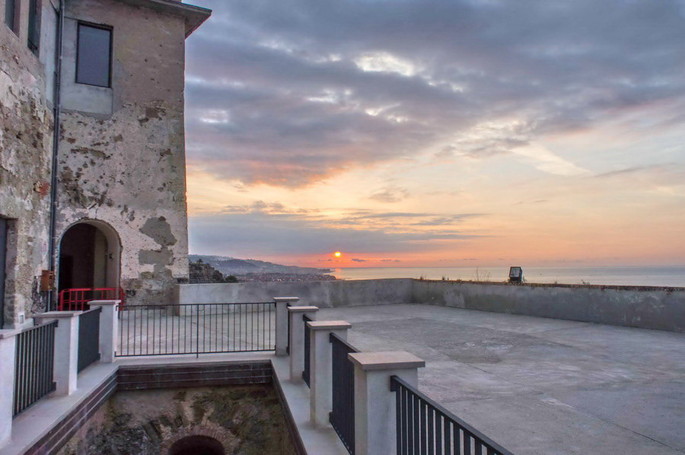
(515, 275)
(3, 249)
(47, 280)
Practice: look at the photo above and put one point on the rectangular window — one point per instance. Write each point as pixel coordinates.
(3, 259)
(94, 55)
(11, 14)
(34, 26)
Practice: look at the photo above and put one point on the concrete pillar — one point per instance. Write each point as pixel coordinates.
(282, 304)
(66, 349)
(375, 429)
(296, 342)
(320, 368)
(109, 328)
(8, 349)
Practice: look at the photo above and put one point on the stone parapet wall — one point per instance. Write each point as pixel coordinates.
(628, 306)
(324, 294)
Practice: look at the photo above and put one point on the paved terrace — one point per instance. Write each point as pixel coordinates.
(539, 386)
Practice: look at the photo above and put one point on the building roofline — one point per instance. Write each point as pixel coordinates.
(194, 15)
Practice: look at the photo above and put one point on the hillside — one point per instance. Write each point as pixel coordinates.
(234, 266)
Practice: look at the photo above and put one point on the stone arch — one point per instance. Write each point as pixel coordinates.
(197, 445)
(89, 256)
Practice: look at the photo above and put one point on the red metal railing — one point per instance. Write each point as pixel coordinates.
(77, 299)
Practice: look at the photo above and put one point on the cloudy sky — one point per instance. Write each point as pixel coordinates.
(438, 132)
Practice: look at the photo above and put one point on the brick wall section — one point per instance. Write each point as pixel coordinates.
(198, 375)
(160, 377)
(65, 429)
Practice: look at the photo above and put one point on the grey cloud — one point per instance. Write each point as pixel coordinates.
(296, 104)
(259, 234)
(390, 195)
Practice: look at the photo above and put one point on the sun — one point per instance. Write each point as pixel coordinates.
(337, 254)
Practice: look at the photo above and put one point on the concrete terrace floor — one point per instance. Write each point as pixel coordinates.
(535, 385)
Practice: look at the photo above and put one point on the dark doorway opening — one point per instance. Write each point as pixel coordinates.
(82, 259)
(89, 256)
(3, 262)
(197, 445)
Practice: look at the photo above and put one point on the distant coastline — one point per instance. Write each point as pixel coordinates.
(668, 276)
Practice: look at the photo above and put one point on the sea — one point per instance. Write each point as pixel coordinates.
(673, 276)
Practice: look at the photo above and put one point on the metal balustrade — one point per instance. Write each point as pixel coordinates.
(426, 428)
(77, 299)
(205, 328)
(307, 344)
(88, 338)
(342, 415)
(34, 365)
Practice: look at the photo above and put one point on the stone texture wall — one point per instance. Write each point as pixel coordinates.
(125, 165)
(629, 306)
(26, 129)
(247, 420)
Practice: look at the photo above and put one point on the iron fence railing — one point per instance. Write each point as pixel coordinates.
(426, 428)
(307, 344)
(77, 299)
(342, 414)
(205, 328)
(88, 338)
(33, 369)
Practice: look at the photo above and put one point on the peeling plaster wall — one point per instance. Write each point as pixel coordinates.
(26, 123)
(127, 168)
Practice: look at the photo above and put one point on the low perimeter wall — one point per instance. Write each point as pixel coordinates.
(629, 306)
(324, 294)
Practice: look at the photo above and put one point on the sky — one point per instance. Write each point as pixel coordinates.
(438, 132)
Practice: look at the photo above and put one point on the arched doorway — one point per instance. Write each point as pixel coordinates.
(89, 257)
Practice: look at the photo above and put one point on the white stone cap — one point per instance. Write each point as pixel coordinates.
(328, 325)
(303, 309)
(286, 299)
(9, 333)
(104, 302)
(389, 360)
(57, 315)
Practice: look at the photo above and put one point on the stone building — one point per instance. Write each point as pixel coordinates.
(108, 75)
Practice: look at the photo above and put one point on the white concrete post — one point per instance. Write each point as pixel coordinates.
(109, 328)
(66, 349)
(320, 368)
(375, 429)
(8, 347)
(282, 323)
(296, 342)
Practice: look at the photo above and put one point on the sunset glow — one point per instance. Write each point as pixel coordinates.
(444, 146)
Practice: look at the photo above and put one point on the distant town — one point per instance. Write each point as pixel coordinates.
(221, 269)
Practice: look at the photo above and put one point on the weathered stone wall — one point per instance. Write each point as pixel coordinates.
(629, 306)
(26, 123)
(247, 420)
(324, 294)
(125, 165)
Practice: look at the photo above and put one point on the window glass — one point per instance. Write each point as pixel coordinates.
(3, 258)
(93, 59)
(34, 26)
(10, 14)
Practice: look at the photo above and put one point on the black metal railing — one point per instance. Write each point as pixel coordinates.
(307, 344)
(342, 414)
(205, 328)
(33, 369)
(88, 338)
(424, 427)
